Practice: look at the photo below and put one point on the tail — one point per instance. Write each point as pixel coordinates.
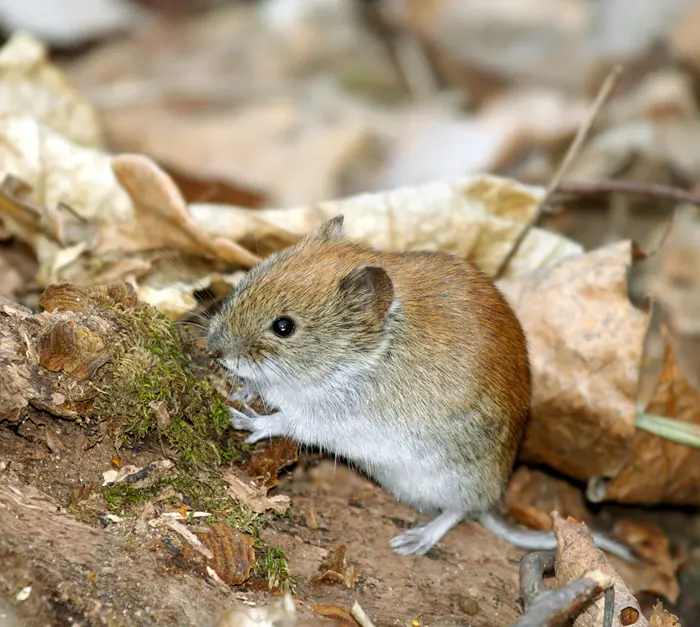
(531, 540)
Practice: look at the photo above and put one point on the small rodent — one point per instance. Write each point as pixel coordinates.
(412, 366)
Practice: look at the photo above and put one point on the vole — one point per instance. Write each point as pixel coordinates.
(412, 366)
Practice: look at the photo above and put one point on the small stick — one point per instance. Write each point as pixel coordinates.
(632, 188)
(609, 609)
(533, 567)
(554, 608)
(359, 615)
(571, 154)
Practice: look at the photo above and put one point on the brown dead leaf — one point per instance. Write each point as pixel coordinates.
(264, 465)
(683, 40)
(648, 540)
(241, 86)
(53, 441)
(585, 342)
(577, 555)
(550, 34)
(336, 569)
(161, 218)
(661, 618)
(658, 470)
(586, 356)
(205, 189)
(532, 494)
(234, 556)
(334, 612)
(258, 147)
(438, 144)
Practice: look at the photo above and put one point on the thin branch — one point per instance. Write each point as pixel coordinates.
(571, 154)
(533, 567)
(631, 188)
(554, 608)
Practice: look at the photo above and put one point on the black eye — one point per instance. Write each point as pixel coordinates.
(283, 327)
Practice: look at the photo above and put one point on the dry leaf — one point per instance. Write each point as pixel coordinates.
(585, 341)
(264, 465)
(233, 552)
(661, 618)
(476, 217)
(438, 144)
(586, 356)
(683, 40)
(243, 489)
(271, 120)
(577, 555)
(251, 147)
(658, 470)
(659, 573)
(532, 494)
(336, 569)
(31, 84)
(334, 612)
(548, 37)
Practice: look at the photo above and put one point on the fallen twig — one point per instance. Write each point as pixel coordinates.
(571, 154)
(551, 608)
(631, 188)
(360, 616)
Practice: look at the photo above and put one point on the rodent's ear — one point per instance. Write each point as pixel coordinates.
(331, 229)
(369, 286)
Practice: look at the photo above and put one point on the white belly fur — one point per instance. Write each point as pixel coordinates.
(400, 463)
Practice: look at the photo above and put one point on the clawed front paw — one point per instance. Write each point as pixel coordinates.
(242, 395)
(241, 421)
(262, 427)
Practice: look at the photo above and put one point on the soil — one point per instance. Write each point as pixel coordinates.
(84, 570)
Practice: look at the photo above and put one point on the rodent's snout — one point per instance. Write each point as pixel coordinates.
(221, 345)
(217, 353)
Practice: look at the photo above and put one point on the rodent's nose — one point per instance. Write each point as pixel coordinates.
(217, 353)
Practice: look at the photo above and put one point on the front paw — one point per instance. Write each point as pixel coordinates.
(262, 427)
(242, 421)
(242, 395)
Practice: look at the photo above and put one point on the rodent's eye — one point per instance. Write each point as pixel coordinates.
(283, 327)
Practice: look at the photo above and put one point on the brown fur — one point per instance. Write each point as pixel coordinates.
(456, 346)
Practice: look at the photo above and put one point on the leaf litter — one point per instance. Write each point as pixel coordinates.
(94, 218)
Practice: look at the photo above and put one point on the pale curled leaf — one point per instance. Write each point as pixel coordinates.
(476, 217)
(101, 218)
(30, 84)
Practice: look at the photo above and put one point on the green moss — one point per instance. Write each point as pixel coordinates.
(279, 577)
(179, 489)
(122, 497)
(156, 388)
(155, 392)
